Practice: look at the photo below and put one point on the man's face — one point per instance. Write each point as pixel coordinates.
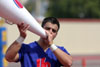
(51, 28)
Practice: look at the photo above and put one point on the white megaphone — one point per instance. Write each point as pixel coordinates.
(15, 12)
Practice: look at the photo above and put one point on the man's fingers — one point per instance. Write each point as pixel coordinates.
(23, 27)
(20, 26)
(26, 27)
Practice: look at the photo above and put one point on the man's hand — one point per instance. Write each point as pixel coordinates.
(49, 39)
(22, 29)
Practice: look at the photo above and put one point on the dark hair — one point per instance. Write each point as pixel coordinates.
(52, 20)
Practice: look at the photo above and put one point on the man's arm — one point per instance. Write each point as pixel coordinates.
(64, 58)
(12, 52)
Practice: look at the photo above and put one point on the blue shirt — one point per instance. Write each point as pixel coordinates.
(32, 55)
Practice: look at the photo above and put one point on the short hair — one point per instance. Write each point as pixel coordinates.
(52, 20)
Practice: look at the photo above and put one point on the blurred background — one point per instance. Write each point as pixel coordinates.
(79, 33)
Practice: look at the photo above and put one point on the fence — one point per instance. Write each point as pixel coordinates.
(86, 61)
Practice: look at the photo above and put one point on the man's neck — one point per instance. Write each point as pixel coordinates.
(42, 44)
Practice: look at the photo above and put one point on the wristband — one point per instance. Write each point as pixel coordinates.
(53, 47)
(20, 40)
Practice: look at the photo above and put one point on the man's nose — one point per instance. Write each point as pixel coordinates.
(50, 31)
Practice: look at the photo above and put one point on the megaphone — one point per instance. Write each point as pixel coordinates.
(15, 12)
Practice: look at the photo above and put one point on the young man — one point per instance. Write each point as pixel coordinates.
(41, 53)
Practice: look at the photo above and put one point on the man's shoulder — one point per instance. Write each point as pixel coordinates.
(61, 47)
(32, 44)
(64, 49)
(28, 47)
